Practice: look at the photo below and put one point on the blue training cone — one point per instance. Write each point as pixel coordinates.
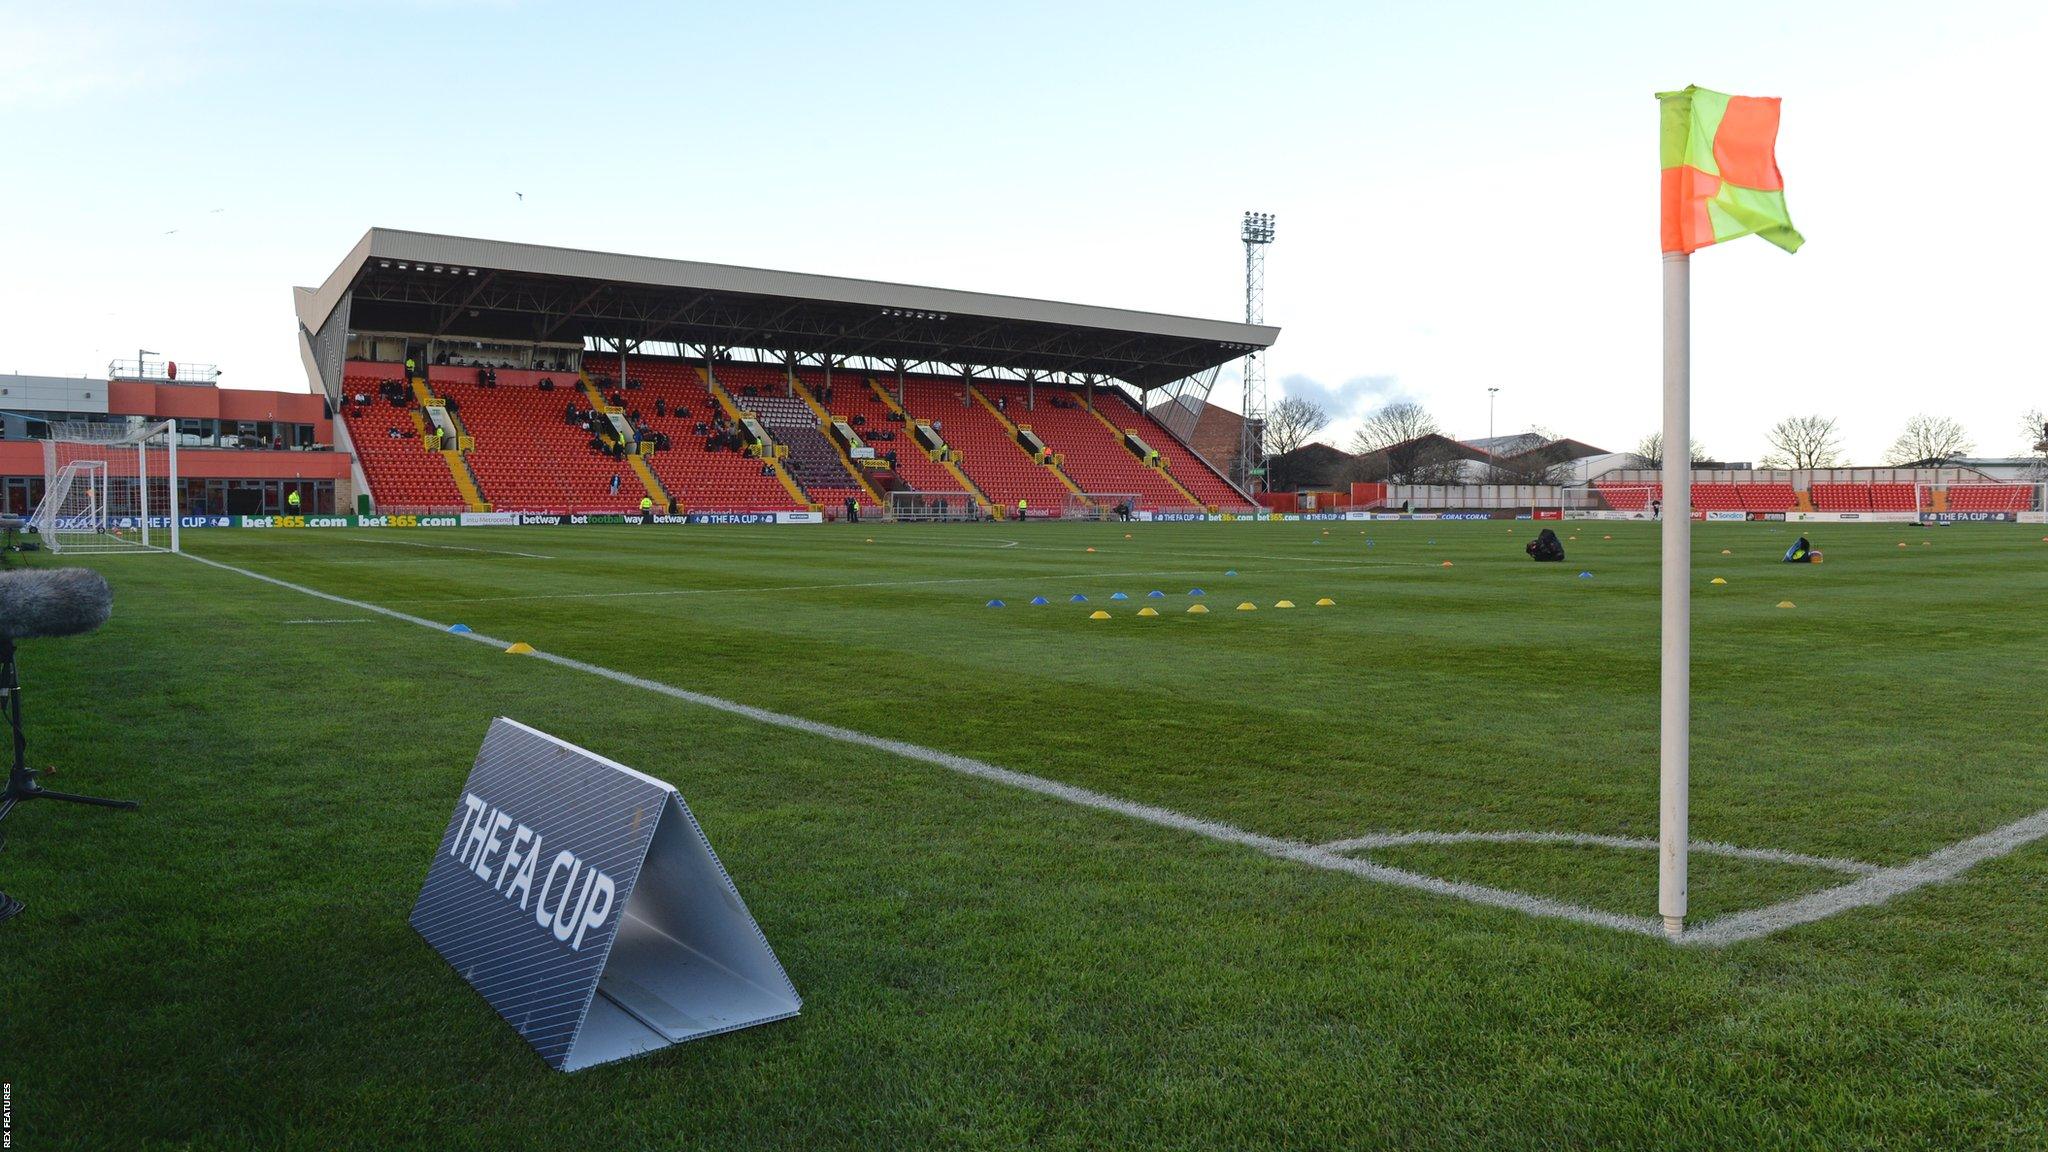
(1155, 594)
(1231, 572)
(1585, 575)
(458, 627)
(1038, 600)
(1118, 596)
(1196, 592)
(995, 604)
(1077, 598)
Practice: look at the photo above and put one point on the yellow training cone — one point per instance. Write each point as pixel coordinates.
(1607, 537)
(1447, 564)
(1717, 580)
(1127, 535)
(520, 649)
(1284, 604)
(871, 539)
(1902, 543)
(1198, 609)
(1787, 604)
(1098, 614)
(1091, 549)
(1326, 602)
(1148, 612)
(1726, 552)
(1247, 606)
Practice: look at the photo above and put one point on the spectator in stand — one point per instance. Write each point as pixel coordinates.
(547, 384)
(615, 483)
(660, 407)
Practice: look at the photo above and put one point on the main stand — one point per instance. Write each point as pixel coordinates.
(21, 779)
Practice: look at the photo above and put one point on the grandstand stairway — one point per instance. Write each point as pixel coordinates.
(636, 455)
(1203, 483)
(812, 459)
(526, 455)
(673, 397)
(925, 472)
(403, 472)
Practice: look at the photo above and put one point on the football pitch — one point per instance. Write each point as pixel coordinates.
(1372, 874)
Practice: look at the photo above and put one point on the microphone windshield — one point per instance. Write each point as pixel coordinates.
(38, 602)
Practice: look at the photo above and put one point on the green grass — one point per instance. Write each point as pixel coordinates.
(983, 967)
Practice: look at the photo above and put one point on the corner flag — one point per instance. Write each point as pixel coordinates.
(1721, 180)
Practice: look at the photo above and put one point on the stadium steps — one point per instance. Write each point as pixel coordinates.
(1190, 468)
(1051, 466)
(648, 480)
(634, 460)
(1805, 500)
(803, 393)
(457, 460)
(1161, 468)
(1940, 500)
(732, 411)
(465, 480)
(952, 467)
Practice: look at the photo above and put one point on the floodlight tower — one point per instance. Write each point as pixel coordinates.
(1251, 447)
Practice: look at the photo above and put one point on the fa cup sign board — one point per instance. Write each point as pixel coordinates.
(580, 898)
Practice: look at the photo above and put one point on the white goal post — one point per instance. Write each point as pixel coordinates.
(1100, 506)
(918, 506)
(2025, 501)
(109, 488)
(1609, 502)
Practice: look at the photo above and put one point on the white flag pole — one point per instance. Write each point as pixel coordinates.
(1674, 756)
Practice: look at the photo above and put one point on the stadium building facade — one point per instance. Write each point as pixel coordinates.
(242, 451)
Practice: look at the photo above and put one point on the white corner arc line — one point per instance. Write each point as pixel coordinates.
(1587, 839)
(1943, 864)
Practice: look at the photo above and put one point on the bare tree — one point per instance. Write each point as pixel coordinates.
(1803, 442)
(1929, 438)
(1292, 423)
(1651, 451)
(1398, 422)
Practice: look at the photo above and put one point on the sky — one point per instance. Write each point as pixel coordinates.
(1466, 193)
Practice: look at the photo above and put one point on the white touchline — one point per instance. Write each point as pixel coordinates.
(1876, 888)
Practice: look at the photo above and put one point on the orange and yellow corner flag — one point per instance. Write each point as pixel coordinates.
(1721, 181)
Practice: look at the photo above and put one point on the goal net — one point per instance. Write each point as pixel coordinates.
(1100, 506)
(108, 488)
(2020, 500)
(1608, 502)
(904, 505)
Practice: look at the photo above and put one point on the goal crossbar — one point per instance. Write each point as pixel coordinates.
(109, 488)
